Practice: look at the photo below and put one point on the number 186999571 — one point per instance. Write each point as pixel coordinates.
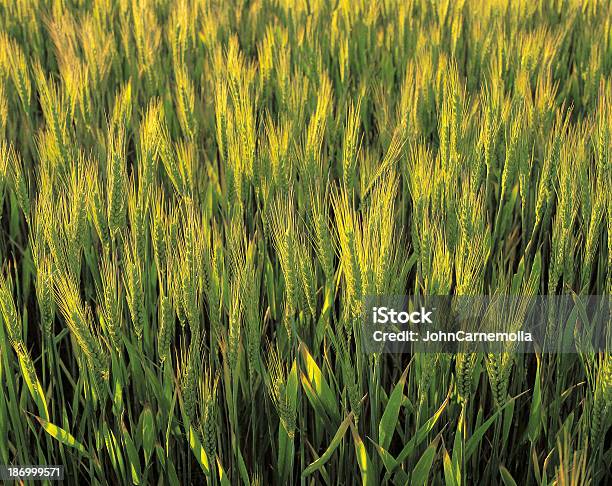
(16, 473)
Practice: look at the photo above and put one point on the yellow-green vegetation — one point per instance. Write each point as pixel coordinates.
(196, 197)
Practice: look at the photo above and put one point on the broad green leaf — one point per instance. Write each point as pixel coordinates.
(508, 421)
(29, 375)
(536, 271)
(472, 443)
(391, 464)
(322, 469)
(314, 399)
(506, 476)
(174, 480)
(242, 469)
(388, 422)
(292, 385)
(198, 451)
(420, 473)
(449, 473)
(365, 464)
(319, 384)
(458, 443)
(420, 436)
(533, 427)
(388, 460)
(222, 476)
(286, 445)
(61, 435)
(118, 399)
(517, 278)
(148, 433)
(286, 452)
(335, 442)
(114, 451)
(132, 454)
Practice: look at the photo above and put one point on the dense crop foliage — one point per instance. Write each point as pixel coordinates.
(196, 196)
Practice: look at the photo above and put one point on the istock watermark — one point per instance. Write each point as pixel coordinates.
(497, 324)
(383, 315)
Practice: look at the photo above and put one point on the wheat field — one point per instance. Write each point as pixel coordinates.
(197, 197)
